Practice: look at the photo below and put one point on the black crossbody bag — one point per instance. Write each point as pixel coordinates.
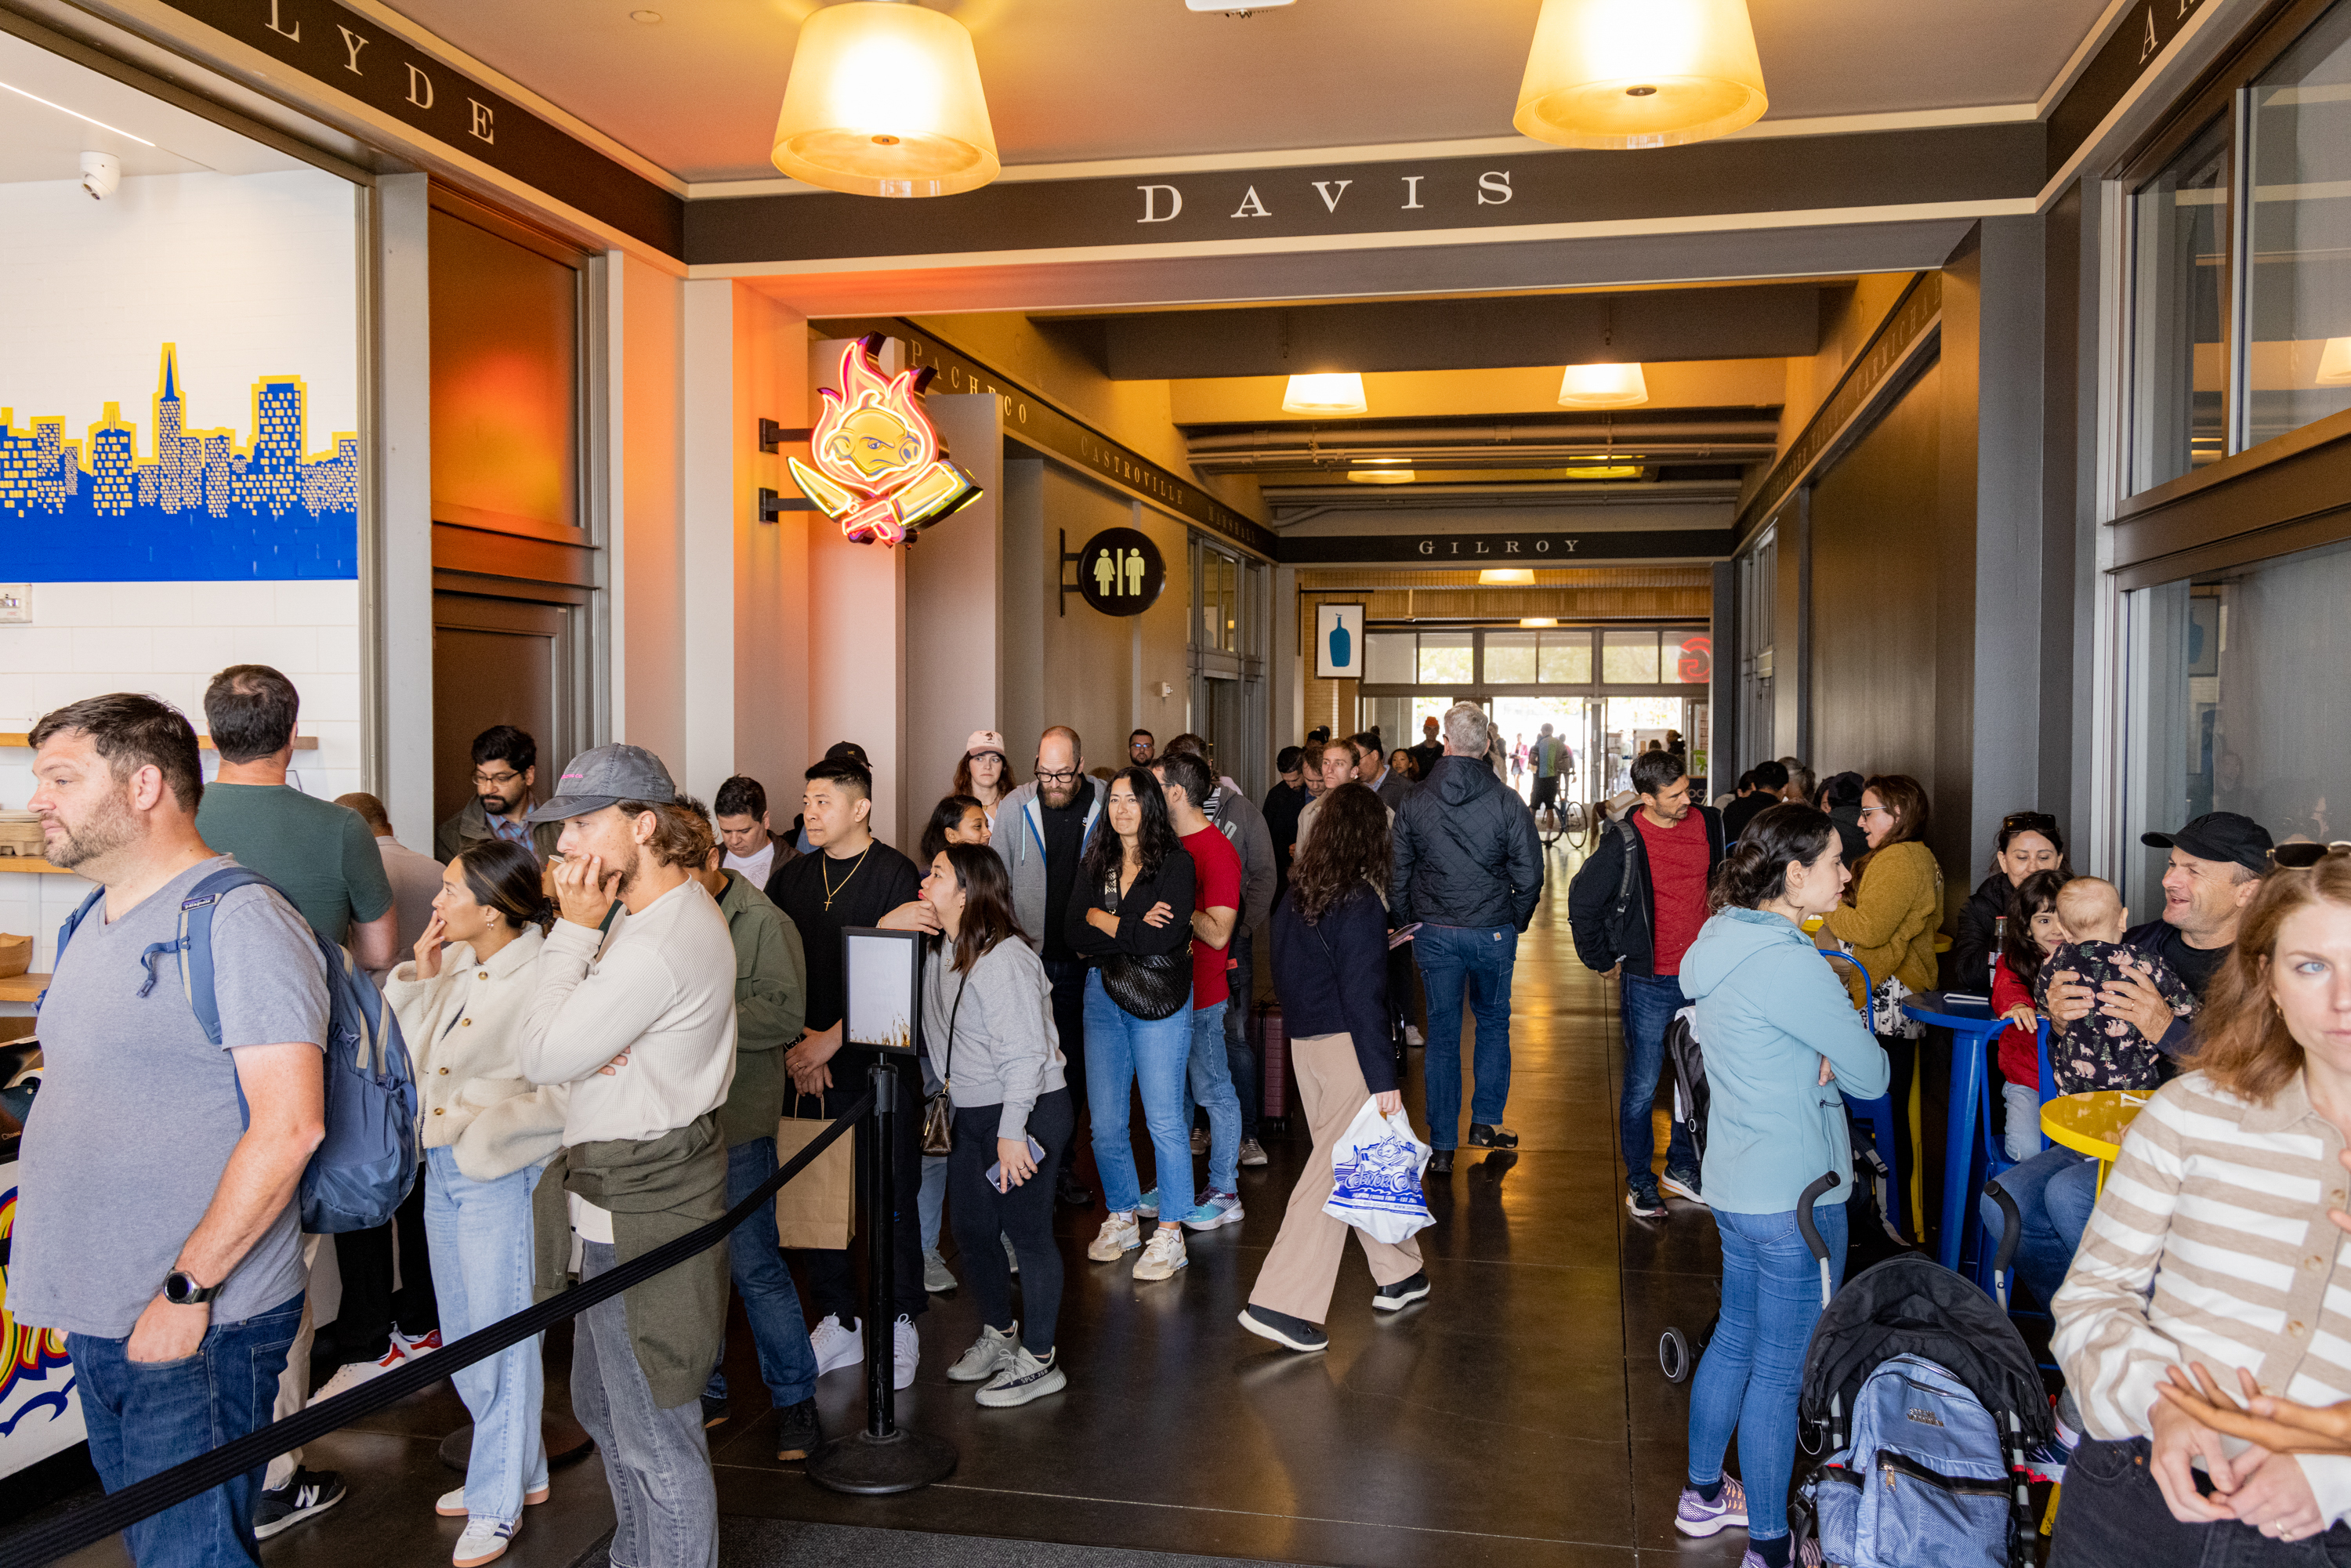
(1147, 986)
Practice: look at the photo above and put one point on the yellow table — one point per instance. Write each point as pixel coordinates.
(2094, 1123)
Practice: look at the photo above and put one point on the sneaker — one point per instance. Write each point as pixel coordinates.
(937, 1279)
(425, 1345)
(353, 1374)
(1291, 1334)
(1163, 1255)
(799, 1432)
(1023, 1378)
(1412, 1037)
(1682, 1184)
(991, 1351)
(1148, 1205)
(1486, 1138)
(1199, 1140)
(1698, 1516)
(485, 1541)
(452, 1503)
(1807, 1555)
(1645, 1203)
(1253, 1152)
(906, 1352)
(1214, 1209)
(1403, 1293)
(714, 1411)
(1011, 1257)
(1119, 1234)
(306, 1494)
(1070, 1192)
(836, 1346)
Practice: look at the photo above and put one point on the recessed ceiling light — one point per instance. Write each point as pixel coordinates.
(1603, 471)
(1338, 392)
(1380, 475)
(1537, 620)
(85, 119)
(1508, 576)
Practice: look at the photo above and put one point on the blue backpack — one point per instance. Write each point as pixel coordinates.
(363, 1170)
(1924, 1483)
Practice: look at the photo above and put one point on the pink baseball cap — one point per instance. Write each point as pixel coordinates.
(983, 740)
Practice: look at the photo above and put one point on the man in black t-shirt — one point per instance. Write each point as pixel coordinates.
(1769, 779)
(852, 879)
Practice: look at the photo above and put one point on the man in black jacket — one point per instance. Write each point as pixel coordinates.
(1634, 908)
(1470, 871)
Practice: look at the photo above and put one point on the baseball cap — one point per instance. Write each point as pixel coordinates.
(848, 751)
(2219, 836)
(605, 776)
(983, 740)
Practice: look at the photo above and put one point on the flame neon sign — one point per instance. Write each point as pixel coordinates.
(878, 467)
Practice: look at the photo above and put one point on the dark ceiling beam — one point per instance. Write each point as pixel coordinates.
(1754, 322)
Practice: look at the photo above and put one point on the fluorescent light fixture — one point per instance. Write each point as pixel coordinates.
(1506, 577)
(884, 99)
(1380, 475)
(1603, 386)
(1603, 471)
(85, 119)
(1342, 392)
(2334, 363)
(1640, 73)
(1537, 620)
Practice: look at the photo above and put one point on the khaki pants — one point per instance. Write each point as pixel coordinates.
(294, 1382)
(1303, 1267)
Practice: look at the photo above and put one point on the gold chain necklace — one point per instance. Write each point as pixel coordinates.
(831, 891)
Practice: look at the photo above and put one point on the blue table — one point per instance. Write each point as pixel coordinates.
(1973, 1028)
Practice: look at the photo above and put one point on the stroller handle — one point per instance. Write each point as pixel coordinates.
(1813, 1234)
(2012, 1230)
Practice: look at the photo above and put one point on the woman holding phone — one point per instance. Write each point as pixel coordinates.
(988, 1027)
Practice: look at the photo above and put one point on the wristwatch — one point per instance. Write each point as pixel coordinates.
(181, 1290)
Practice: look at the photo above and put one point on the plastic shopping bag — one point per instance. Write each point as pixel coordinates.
(1376, 1169)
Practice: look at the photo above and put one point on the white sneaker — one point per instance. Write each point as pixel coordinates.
(907, 1352)
(837, 1347)
(1119, 1234)
(485, 1541)
(352, 1373)
(452, 1504)
(1163, 1255)
(1023, 1378)
(937, 1278)
(988, 1353)
(422, 1344)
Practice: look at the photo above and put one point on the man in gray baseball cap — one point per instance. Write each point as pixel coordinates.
(605, 776)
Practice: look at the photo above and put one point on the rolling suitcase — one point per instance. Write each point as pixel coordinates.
(1273, 1066)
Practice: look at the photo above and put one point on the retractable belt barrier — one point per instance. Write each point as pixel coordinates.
(117, 1510)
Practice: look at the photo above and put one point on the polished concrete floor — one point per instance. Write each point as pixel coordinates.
(1517, 1416)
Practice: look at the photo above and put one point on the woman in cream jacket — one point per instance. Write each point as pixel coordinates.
(487, 1133)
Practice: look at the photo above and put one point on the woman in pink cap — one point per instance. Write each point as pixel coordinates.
(983, 774)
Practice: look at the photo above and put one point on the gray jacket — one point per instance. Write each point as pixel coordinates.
(1019, 840)
(1239, 819)
(996, 1045)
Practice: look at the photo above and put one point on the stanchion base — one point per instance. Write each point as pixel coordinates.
(868, 1467)
(566, 1442)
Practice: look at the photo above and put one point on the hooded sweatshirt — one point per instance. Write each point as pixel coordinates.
(1769, 1009)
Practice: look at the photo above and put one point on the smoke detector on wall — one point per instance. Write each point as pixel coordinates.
(102, 174)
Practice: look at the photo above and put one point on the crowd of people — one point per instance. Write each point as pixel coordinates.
(612, 994)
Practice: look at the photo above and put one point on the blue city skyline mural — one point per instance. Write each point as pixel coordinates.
(202, 508)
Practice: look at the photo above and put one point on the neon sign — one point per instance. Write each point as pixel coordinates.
(878, 467)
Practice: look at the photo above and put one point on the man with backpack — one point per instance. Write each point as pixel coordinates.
(157, 1225)
(1634, 908)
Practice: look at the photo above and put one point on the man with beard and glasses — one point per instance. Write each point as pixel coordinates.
(156, 1225)
(506, 769)
(635, 1013)
(1040, 834)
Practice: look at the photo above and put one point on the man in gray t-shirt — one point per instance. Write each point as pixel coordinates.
(155, 1221)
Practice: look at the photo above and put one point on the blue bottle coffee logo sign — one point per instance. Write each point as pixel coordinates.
(1120, 571)
(1342, 645)
(1339, 642)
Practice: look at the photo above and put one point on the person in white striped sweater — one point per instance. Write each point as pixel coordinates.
(2216, 1257)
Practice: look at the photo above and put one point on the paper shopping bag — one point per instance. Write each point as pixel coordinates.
(817, 1207)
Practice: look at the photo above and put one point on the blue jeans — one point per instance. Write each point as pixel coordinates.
(1477, 961)
(2054, 1192)
(1240, 1051)
(1650, 1004)
(1749, 1377)
(933, 1201)
(1211, 1089)
(147, 1417)
(787, 1361)
(480, 1234)
(1124, 1053)
(656, 1461)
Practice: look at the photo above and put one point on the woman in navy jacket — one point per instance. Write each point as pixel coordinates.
(1329, 968)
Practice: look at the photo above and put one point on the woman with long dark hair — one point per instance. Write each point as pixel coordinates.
(983, 774)
(1782, 1045)
(2029, 842)
(487, 1133)
(988, 1030)
(1329, 968)
(1130, 918)
(956, 820)
(2030, 933)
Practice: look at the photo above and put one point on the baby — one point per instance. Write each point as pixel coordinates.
(2102, 1051)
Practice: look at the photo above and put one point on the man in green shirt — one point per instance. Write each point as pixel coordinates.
(770, 1003)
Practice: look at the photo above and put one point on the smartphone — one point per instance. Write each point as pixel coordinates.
(996, 1171)
(1402, 934)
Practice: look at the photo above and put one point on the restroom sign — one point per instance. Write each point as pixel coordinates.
(1120, 571)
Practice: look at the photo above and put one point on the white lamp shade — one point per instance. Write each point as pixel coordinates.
(1603, 386)
(1640, 73)
(1342, 392)
(885, 100)
(2334, 363)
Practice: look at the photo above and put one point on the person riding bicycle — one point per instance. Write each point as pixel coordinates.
(1553, 762)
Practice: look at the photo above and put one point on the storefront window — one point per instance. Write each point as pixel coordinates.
(1388, 659)
(2237, 705)
(1629, 658)
(2180, 329)
(2301, 278)
(1564, 659)
(1510, 658)
(1446, 658)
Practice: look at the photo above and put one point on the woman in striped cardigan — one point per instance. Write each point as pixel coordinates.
(2217, 1251)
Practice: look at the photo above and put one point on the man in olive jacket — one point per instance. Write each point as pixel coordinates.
(1470, 871)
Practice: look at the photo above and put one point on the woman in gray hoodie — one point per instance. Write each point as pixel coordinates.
(987, 1026)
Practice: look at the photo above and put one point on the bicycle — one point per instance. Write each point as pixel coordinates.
(1579, 825)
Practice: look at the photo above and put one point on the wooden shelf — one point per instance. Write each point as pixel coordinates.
(23, 988)
(203, 742)
(32, 865)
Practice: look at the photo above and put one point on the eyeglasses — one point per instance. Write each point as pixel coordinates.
(1056, 775)
(2302, 857)
(496, 780)
(1878, 810)
(2036, 821)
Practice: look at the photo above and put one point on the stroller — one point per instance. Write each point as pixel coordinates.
(1912, 1306)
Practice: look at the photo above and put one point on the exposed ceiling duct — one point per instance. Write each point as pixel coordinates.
(1278, 449)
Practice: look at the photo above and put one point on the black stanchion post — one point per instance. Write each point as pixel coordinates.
(885, 1456)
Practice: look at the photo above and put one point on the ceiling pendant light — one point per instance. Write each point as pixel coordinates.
(1603, 386)
(1338, 392)
(1640, 73)
(885, 100)
(2335, 363)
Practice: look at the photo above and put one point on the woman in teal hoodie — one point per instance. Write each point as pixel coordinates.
(1782, 1039)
